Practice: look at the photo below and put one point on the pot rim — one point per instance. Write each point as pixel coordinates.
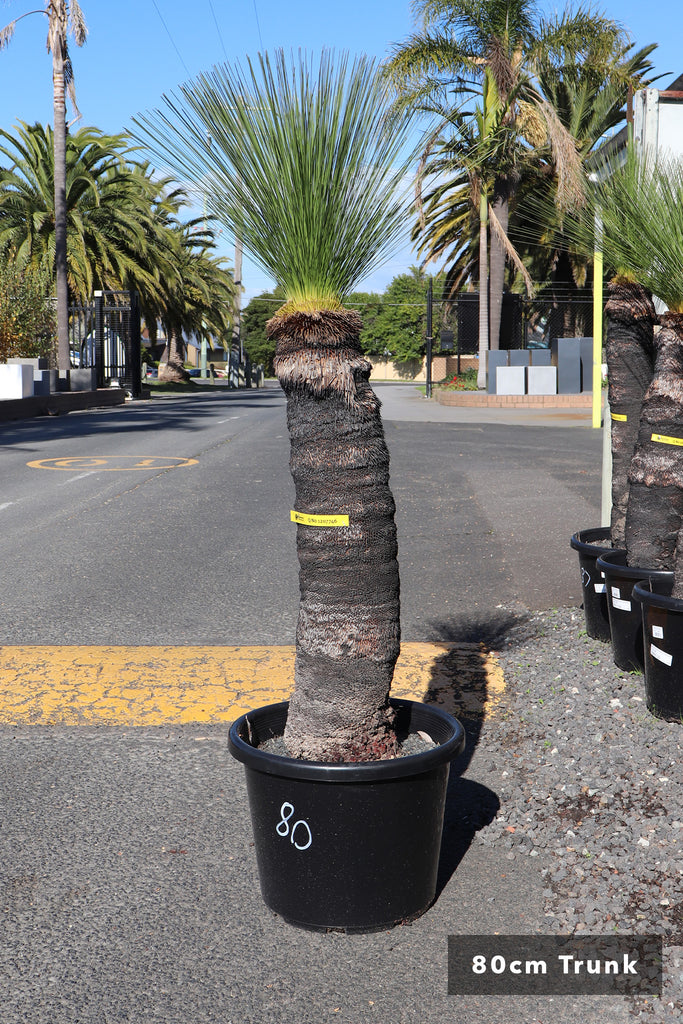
(419, 716)
(581, 540)
(642, 593)
(609, 562)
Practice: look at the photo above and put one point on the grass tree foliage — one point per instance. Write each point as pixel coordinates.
(300, 159)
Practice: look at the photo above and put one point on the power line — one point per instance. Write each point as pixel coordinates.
(258, 24)
(170, 37)
(215, 21)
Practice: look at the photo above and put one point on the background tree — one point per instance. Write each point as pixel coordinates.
(305, 164)
(114, 206)
(27, 317)
(258, 311)
(496, 47)
(64, 19)
(589, 96)
(397, 329)
(195, 298)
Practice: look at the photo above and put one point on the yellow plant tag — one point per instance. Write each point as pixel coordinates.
(663, 439)
(622, 417)
(307, 520)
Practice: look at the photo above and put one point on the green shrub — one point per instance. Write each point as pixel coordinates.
(27, 318)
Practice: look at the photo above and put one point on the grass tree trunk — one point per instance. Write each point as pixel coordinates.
(655, 505)
(61, 278)
(348, 630)
(629, 350)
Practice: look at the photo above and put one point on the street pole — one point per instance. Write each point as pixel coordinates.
(430, 301)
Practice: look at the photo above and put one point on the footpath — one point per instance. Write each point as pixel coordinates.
(128, 885)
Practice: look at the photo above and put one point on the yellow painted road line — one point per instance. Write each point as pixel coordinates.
(173, 685)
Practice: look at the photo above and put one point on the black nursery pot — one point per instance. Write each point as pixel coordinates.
(662, 617)
(350, 846)
(594, 596)
(624, 612)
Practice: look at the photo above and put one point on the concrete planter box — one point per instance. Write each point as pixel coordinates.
(16, 381)
(83, 379)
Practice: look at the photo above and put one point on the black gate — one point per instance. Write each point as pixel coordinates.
(106, 335)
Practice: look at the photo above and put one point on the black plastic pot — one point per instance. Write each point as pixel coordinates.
(351, 846)
(594, 596)
(624, 613)
(662, 617)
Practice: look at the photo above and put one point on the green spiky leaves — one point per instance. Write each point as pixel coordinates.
(298, 158)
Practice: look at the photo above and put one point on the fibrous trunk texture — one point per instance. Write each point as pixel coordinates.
(655, 508)
(629, 351)
(348, 630)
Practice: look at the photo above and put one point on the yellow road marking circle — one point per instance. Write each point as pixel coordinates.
(112, 463)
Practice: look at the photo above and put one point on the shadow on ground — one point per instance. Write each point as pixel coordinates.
(467, 682)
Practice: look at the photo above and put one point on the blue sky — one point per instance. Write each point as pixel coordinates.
(139, 49)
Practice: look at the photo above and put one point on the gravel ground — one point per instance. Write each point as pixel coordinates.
(590, 783)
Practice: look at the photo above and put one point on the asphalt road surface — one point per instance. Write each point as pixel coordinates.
(128, 886)
(167, 522)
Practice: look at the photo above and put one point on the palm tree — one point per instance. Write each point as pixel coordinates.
(301, 160)
(465, 47)
(589, 97)
(63, 19)
(113, 208)
(195, 295)
(467, 157)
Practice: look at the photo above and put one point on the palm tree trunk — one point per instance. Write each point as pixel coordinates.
(61, 276)
(348, 631)
(501, 208)
(483, 291)
(655, 505)
(629, 351)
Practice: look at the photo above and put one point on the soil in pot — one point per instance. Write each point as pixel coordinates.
(624, 612)
(662, 619)
(590, 545)
(348, 846)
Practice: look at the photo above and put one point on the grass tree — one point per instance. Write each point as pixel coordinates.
(300, 159)
(640, 206)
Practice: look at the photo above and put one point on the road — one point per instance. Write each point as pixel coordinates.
(109, 535)
(128, 885)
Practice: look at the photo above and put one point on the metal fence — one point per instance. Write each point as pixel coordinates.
(525, 323)
(105, 334)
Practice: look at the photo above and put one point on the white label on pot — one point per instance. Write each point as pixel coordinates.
(623, 606)
(660, 655)
(600, 588)
(658, 632)
(299, 840)
(616, 592)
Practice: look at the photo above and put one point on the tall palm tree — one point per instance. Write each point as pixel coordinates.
(114, 206)
(468, 154)
(64, 19)
(458, 46)
(300, 159)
